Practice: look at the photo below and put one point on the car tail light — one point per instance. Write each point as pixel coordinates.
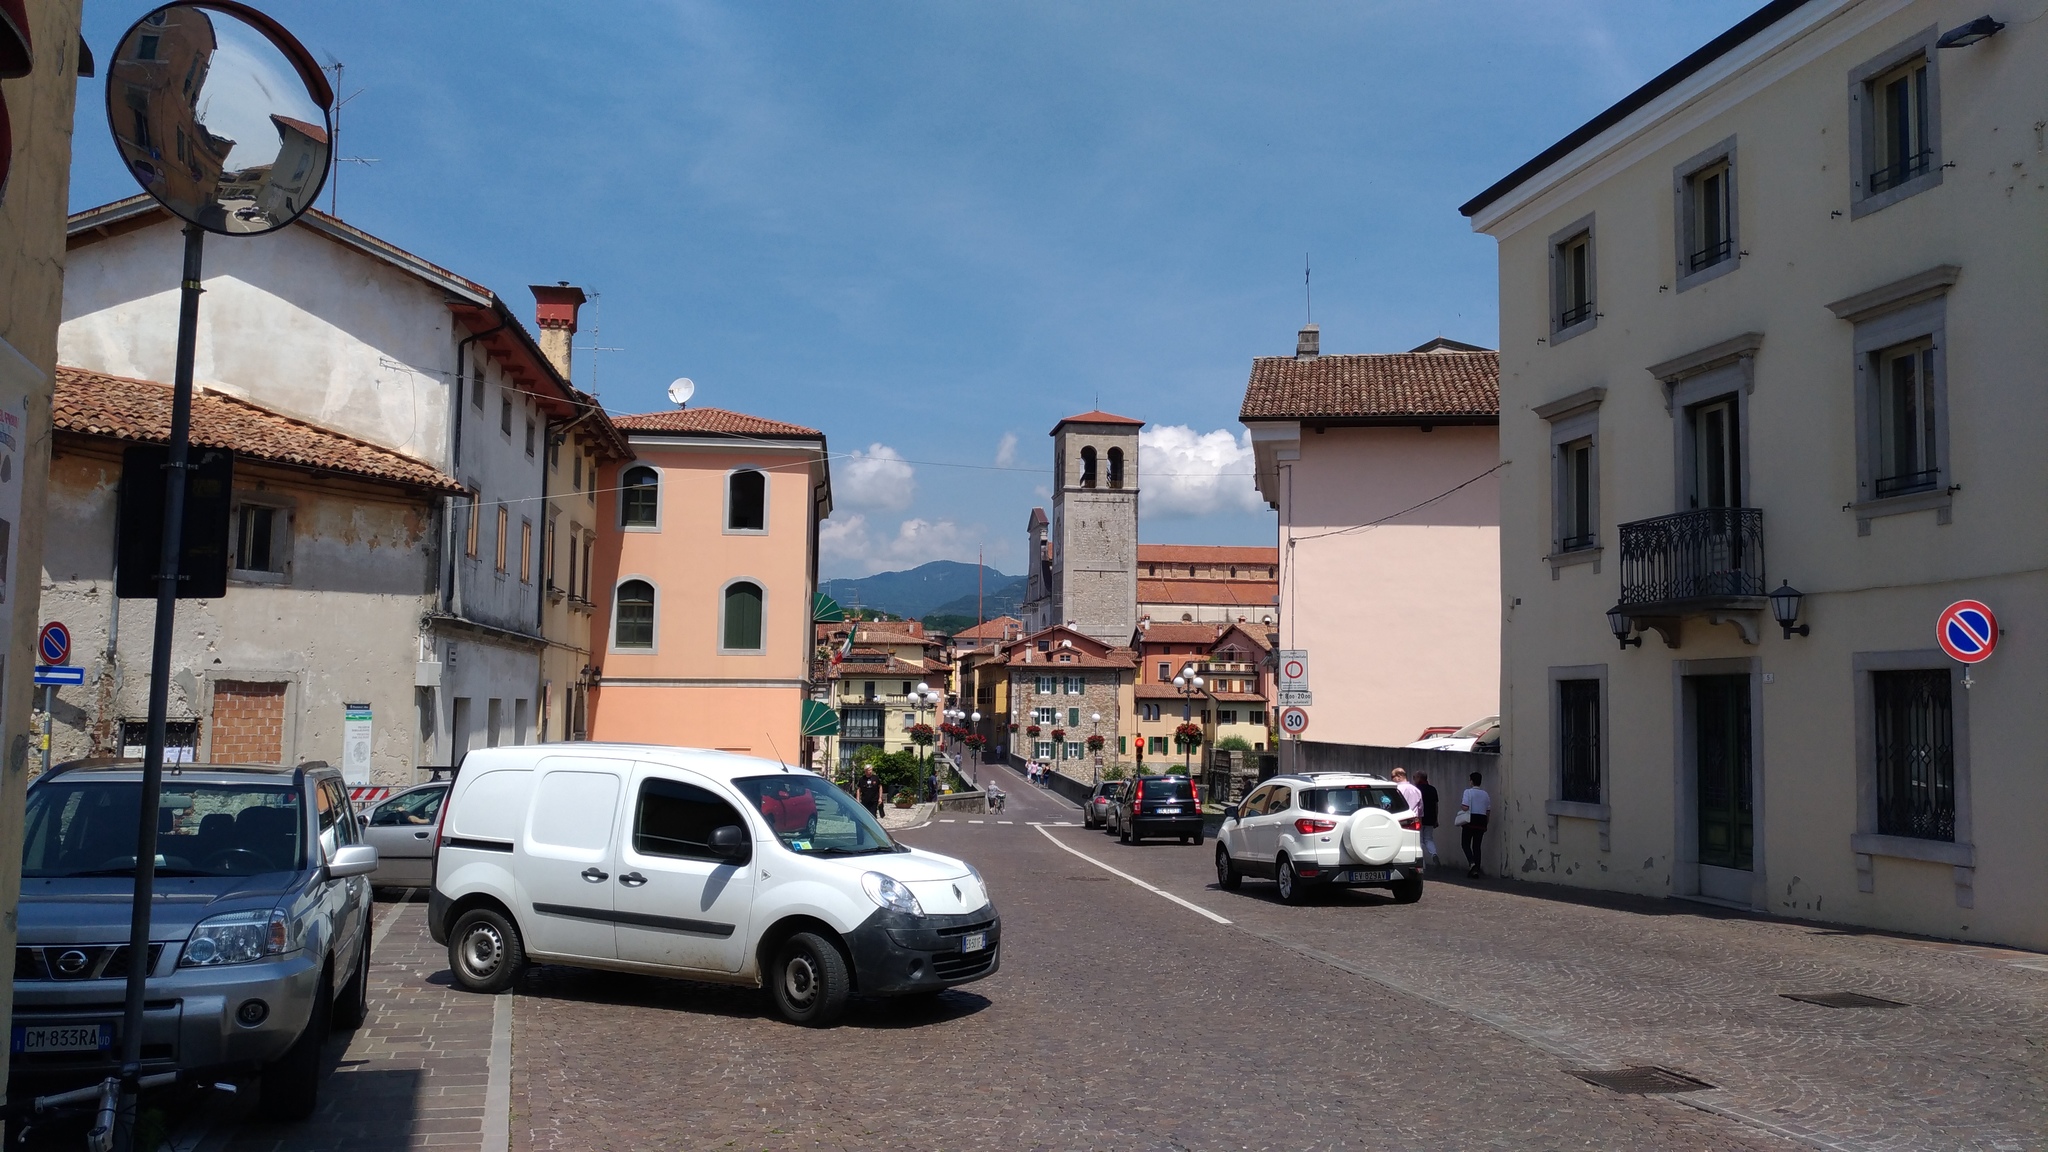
(1308, 827)
(1412, 824)
(1138, 796)
(1194, 794)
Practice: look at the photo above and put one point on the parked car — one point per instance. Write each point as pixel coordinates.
(401, 828)
(260, 934)
(641, 859)
(1479, 736)
(1159, 806)
(1095, 810)
(1437, 730)
(1326, 829)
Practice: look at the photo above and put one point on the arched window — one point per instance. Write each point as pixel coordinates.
(746, 501)
(1088, 467)
(1116, 467)
(742, 627)
(633, 616)
(640, 500)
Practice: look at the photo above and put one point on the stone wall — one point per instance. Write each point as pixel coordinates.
(1101, 696)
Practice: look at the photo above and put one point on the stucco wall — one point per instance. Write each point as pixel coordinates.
(1801, 249)
(1401, 620)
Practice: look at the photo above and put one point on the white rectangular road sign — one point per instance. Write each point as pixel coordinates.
(1293, 668)
(1297, 698)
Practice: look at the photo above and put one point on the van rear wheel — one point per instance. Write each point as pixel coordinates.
(808, 981)
(485, 952)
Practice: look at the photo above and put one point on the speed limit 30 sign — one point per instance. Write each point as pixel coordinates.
(1293, 721)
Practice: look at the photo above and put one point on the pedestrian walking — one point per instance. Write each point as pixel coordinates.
(1429, 802)
(1409, 792)
(1473, 813)
(931, 787)
(870, 788)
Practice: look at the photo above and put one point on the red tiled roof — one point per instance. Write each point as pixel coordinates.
(1387, 386)
(714, 421)
(1177, 632)
(123, 408)
(1098, 416)
(1248, 593)
(995, 629)
(1213, 554)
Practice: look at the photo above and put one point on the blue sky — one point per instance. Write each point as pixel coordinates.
(931, 230)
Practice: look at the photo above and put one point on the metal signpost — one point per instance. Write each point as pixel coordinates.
(54, 646)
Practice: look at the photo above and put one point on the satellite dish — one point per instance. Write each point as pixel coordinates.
(679, 393)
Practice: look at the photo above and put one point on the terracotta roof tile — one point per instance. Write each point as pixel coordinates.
(1212, 554)
(1248, 593)
(996, 629)
(1097, 416)
(123, 408)
(1392, 385)
(1176, 632)
(712, 421)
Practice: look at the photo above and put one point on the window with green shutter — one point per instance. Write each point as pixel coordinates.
(742, 632)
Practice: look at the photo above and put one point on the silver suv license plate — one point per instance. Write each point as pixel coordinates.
(33, 1039)
(974, 942)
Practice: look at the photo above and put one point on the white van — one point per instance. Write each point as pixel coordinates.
(696, 864)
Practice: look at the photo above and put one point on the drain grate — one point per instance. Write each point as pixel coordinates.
(1841, 1000)
(1640, 1080)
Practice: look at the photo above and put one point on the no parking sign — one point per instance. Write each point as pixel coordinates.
(1967, 631)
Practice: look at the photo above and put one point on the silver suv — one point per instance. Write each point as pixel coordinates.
(259, 939)
(1323, 829)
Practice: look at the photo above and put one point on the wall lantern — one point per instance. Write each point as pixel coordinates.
(1619, 624)
(1785, 607)
(1962, 37)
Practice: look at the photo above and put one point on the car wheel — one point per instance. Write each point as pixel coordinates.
(1292, 890)
(354, 1005)
(809, 981)
(291, 1086)
(1408, 891)
(1196, 839)
(1228, 877)
(485, 952)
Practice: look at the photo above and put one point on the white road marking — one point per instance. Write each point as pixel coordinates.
(1006, 821)
(948, 820)
(977, 821)
(1189, 905)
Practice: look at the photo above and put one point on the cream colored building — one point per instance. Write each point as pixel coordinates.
(1778, 316)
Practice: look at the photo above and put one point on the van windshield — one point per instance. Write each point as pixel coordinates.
(815, 817)
(86, 827)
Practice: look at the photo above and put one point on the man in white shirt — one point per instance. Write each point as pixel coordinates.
(1475, 807)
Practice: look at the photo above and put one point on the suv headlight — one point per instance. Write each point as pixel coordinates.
(887, 892)
(238, 938)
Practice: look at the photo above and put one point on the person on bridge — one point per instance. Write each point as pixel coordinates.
(1409, 792)
(1429, 802)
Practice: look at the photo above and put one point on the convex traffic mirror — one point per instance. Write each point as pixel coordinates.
(221, 116)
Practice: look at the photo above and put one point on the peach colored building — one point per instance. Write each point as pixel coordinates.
(703, 579)
(1382, 470)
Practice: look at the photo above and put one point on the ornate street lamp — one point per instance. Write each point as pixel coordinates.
(1619, 624)
(1189, 686)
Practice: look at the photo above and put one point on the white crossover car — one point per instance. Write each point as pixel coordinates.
(1324, 829)
(700, 865)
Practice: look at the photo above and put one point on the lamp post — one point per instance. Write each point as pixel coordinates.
(921, 698)
(974, 718)
(1095, 731)
(1189, 686)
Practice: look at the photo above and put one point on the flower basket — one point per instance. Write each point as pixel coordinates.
(1059, 735)
(1188, 735)
(974, 741)
(1032, 731)
(1095, 743)
(1013, 728)
(922, 734)
(903, 800)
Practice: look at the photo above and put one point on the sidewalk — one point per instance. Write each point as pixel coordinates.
(894, 817)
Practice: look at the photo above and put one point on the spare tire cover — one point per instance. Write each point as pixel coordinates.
(1374, 836)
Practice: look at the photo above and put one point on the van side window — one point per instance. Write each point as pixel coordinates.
(672, 818)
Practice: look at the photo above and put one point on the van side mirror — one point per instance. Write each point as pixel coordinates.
(729, 843)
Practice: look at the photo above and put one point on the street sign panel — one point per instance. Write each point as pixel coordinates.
(1300, 698)
(1293, 665)
(1967, 631)
(54, 643)
(1293, 721)
(59, 674)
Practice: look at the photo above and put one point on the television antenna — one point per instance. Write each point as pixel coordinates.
(681, 390)
(596, 334)
(334, 142)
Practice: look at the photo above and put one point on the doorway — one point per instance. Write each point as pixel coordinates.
(1717, 454)
(1723, 791)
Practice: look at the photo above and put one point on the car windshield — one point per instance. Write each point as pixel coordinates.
(815, 817)
(1476, 727)
(87, 827)
(1345, 801)
(1166, 788)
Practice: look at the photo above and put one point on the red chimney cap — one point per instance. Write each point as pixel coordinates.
(555, 305)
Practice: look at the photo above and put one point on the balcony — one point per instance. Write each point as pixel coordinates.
(1708, 562)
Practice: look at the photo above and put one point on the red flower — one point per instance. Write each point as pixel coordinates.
(1095, 743)
(1059, 734)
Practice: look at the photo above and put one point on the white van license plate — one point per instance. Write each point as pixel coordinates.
(1360, 876)
(32, 1039)
(974, 942)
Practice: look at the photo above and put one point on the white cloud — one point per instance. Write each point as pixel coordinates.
(1006, 450)
(1188, 473)
(848, 547)
(876, 478)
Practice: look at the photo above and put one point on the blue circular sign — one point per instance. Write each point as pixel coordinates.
(1967, 631)
(54, 643)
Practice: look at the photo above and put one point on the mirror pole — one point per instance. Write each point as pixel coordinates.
(159, 686)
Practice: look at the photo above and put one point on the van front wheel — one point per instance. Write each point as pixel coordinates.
(809, 981)
(485, 952)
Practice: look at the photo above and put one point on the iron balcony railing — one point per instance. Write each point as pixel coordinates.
(1571, 316)
(1906, 168)
(1908, 482)
(1700, 557)
(1711, 255)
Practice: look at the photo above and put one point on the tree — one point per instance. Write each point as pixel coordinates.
(1233, 744)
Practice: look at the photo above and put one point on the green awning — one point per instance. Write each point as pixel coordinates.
(820, 719)
(826, 610)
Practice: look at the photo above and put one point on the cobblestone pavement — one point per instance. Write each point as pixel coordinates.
(1611, 981)
(1118, 1021)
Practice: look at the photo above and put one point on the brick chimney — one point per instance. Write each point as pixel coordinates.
(554, 310)
(1308, 342)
